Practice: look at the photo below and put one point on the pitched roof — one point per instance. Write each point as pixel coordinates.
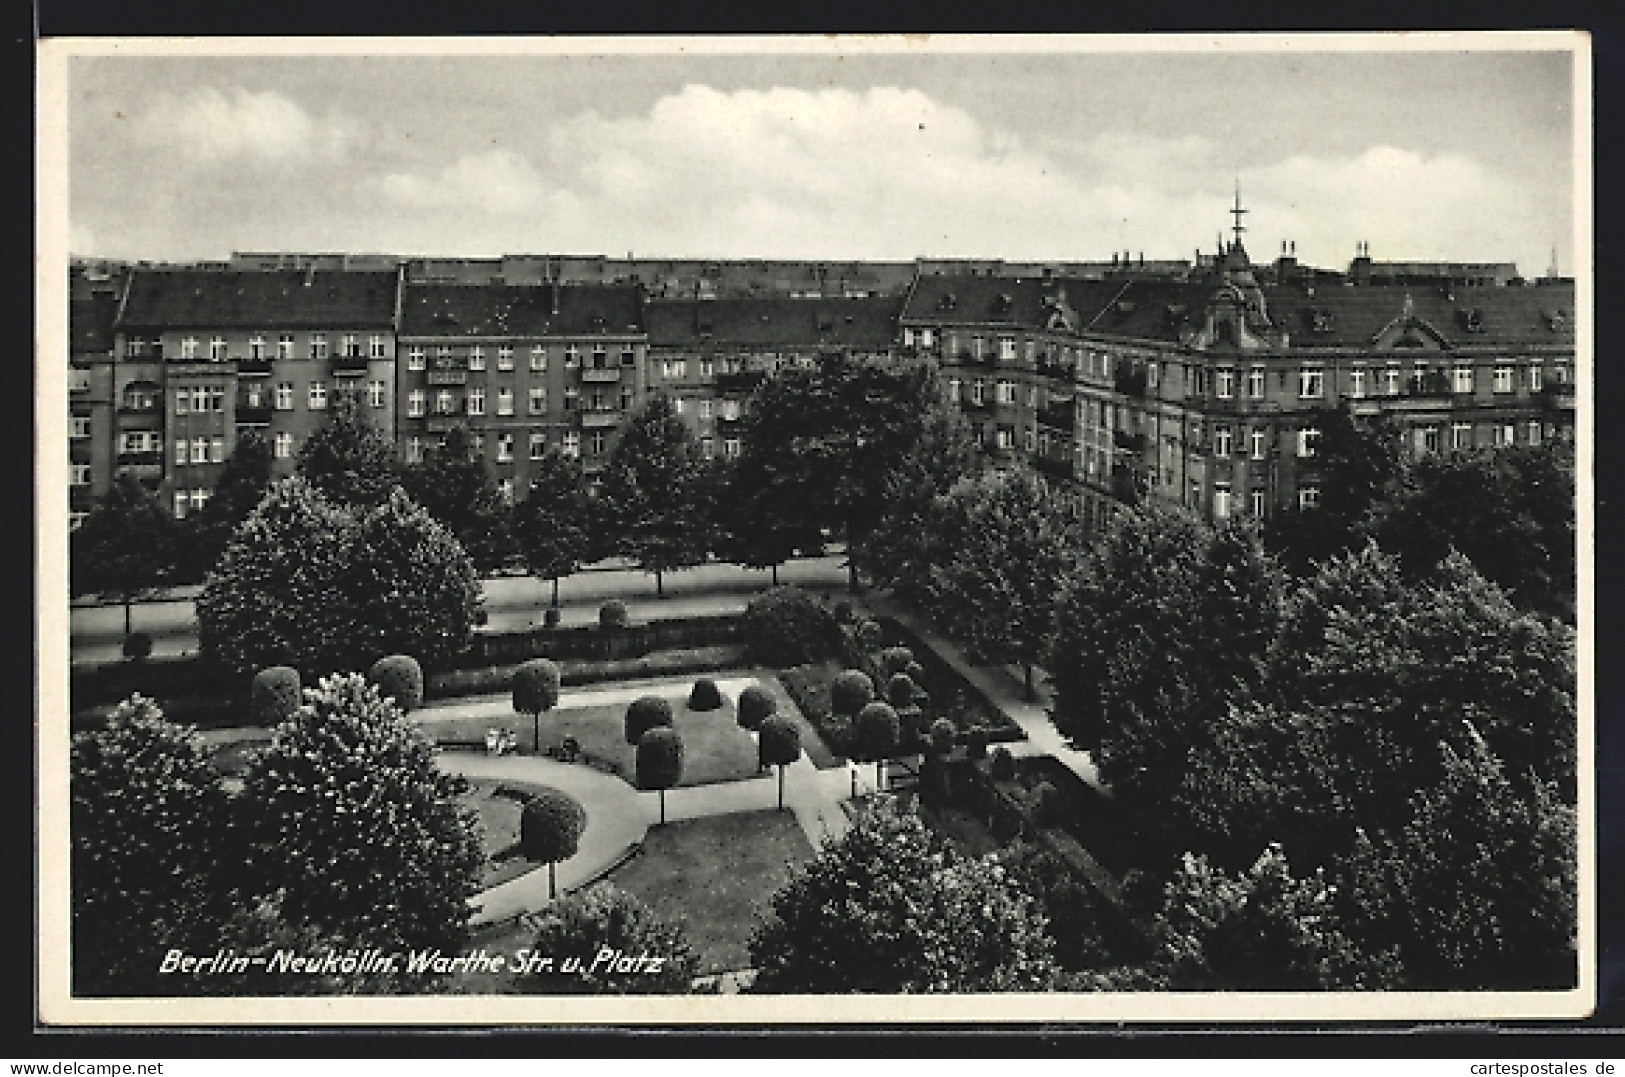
(519, 310)
(863, 323)
(259, 299)
(90, 323)
(1355, 316)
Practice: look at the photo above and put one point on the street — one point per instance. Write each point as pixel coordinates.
(96, 633)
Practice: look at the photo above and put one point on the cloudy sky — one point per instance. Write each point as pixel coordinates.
(830, 152)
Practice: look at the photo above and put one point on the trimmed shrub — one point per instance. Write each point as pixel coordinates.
(552, 617)
(137, 645)
(399, 677)
(660, 758)
(756, 705)
(780, 741)
(274, 695)
(875, 732)
(550, 826)
(894, 660)
(976, 742)
(705, 696)
(535, 686)
(612, 614)
(942, 736)
(850, 692)
(644, 714)
(866, 633)
(787, 626)
(1004, 764)
(900, 690)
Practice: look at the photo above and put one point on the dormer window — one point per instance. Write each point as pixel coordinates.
(946, 302)
(1126, 306)
(1556, 320)
(1472, 320)
(1320, 320)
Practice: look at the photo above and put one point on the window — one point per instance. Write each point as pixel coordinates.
(504, 448)
(415, 402)
(1461, 379)
(78, 427)
(1221, 441)
(443, 358)
(598, 357)
(599, 443)
(1504, 434)
(538, 359)
(1255, 502)
(1259, 442)
(414, 450)
(378, 348)
(1503, 379)
(505, 491)
(571, 445)
(1430, 438)
(318, 345)
(1255, 383)
(182, 453)
(217, 399)
(707, 450)
(180, 504)
(78, 380)
(1461, 435)
(505, 357)
(1006, 438)
(375, 394)
(679, 368)
(953, 390)
(76, 520)
(1224, 382)
(1309, 497)
(476, 358)
(79, 475)
(707, 368)
(189, 348)
(476, 445)
(1029, 441)
(730, 410)
(200, 450)
(572, 356)
(284, 396)
(183, 401)
(629, 355)
(678, 405)
(538, 400)
(538, 446)
(217, 349)
(705, 409)
(1357, 382)
(1007, 348)
(282, 445)
(284, 346)
(351, 345)
(445, 402)
(198, 498)
(504, 401)
(415, 359)
(925, 338)
(1308, 441)
(1534, 432)
(318, 395)
(1390, 381)
(976, 393)
(200, 399)
(572, 398)
(217, 450)
(1221, 501)
(476, 400)
(1534, 378)
(1310, 383)
(626, 398)
(730, 448)
(256, 346)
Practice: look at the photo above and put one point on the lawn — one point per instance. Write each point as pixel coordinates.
(499, 805)
(716, 876)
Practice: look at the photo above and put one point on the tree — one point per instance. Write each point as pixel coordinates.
(755, 705)
(651, 492)
(400, 678)
(347, 818)
(550, 826)
(576, 932)
(789, 626)
(875, 734)
(553, 524)
(1007, 544)
(644, 714)
(779, 744)
(274, 695)
(452, 484)
(761, 525)
(348, 459)
(660, 762)
(125, 547)
(1359, 464)
(242, 485)
(411, 588)
(536, 689)
(1478, 890)
(888, 908)
(850, 692)
(274, 598)
(147, 823)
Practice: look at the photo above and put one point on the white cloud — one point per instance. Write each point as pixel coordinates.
(495, 182)
(210, 125)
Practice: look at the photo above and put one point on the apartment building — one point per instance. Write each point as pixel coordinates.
(92, 402)
(523, 367)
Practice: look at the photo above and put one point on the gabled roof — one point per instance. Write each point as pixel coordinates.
(868, 323)
(1469, 317)
(520, 310)
(90, 323)
(259, 299)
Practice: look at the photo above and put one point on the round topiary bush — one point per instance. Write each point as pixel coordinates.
(706, 696)
(779, 746)
(900, 690)
(756, 705)
(660, 762)
(137, 645)
(552, 617)
(787, 626)
(850, 692)
(915, 671)
(536, 686)
(1004, 764)
(894, 660)
(942, 736)
(644, 714)
(866, 633)
(550, 826)
(399, 677)
(875, 732)
(976, 742)
(612, 614)
(274, 696)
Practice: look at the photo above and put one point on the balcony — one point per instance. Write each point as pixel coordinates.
(254, 368)
(1130, 381)
(448, 377)
(141, 456)
(600, 374)
(253, 414)
(1060, 415)
(1559, 396)
(594, 419)
(1055, 469)
(440, 424)
(349, 366)
(1128, 442)
(740, 381)
(1432, 383)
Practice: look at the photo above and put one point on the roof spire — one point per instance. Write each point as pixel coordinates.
(1237, 213)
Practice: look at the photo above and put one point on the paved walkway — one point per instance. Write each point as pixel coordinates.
(1003, 688)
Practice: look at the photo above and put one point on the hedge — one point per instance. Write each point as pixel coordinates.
(399, 677)
(600, 643)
